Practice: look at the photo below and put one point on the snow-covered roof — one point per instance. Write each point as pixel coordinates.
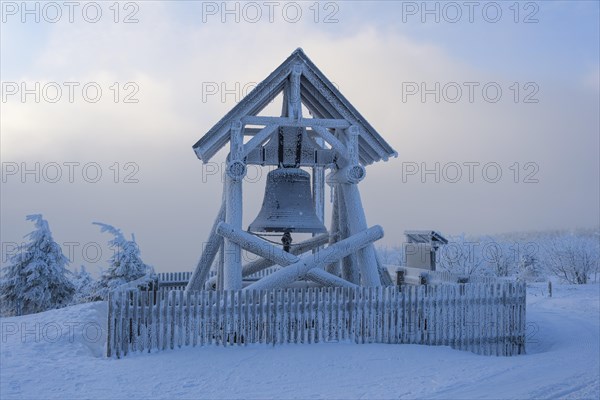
(423, 236)
(317, 94)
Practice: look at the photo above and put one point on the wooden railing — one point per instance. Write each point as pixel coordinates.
(485, 318)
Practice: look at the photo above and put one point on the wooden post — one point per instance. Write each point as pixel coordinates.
(349, 263)
(208, 254)
(357, 222)
(294, 102)
(400, 277)
(109, 333)
(318, 186)
(236, 170)
(334, 267)
(355, 215)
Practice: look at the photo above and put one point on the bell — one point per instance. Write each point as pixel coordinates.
(287, 206)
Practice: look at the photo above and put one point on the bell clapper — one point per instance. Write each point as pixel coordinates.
(286, 239)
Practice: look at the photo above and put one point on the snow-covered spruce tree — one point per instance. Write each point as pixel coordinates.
(36, 278)
(84, 286)
(125, 265)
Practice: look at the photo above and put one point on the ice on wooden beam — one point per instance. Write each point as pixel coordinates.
(256, 245)
(208, 255)
(351, 174)
(232, 270)
(326, 279)
(264, 263)
(333, 268)
(262, 136)
(293, 272)
(337, 138)
(356, 223)
(297, 249)
(349, 264)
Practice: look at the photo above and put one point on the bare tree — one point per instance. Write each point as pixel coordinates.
(573, 258)
(500, 258)
(461, 256)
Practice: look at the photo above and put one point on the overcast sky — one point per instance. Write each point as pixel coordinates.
(499, 102)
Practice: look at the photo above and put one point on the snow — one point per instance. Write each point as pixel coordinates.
(125, 265)
(562, 361)
(36, 278)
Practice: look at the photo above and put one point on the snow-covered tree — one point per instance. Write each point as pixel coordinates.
(84, 286)
(462, 257)
(36, 278)
(501, 257)
(573, 258)
(529, 269)
(392, 255)
(125, 265)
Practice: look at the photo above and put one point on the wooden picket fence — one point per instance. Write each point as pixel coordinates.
(179, 280)
(486, 319)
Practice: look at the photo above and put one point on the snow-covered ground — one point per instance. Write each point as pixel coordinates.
(562, 362)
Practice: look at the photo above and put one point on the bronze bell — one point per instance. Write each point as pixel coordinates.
(287, 205)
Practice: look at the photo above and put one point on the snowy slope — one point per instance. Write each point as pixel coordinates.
(562, 361)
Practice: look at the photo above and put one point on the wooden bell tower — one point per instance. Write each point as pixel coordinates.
(335, 139)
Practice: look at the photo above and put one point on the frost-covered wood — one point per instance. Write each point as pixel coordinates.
(326, 279)
(255, 267)
(232, 262)
(352, 174)
(336, 137)
(357, 222)
(256, 245)
(208, 254)
(293, 272)
(350, 263)
(334, 267)
(485, 318)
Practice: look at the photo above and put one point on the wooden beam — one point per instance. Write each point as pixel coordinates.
(221, 265)
(318, 186)
(259, 138)
(294, 103)
(256, 245)
(330, 138)
(291, 273)
(209, 253)
(334, 267)
(350, 263)
(326, 279)
(232, 269)
(352, 173)
(286, 95)
(252, 131)
(356, 223)
(264, 263)
(352, 137)
(303, 122)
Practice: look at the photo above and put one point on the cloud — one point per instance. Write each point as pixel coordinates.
(171, 57)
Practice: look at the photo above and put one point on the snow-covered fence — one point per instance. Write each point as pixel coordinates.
(173, 280)
(179, 280)
(419, 276)
(486, 319)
